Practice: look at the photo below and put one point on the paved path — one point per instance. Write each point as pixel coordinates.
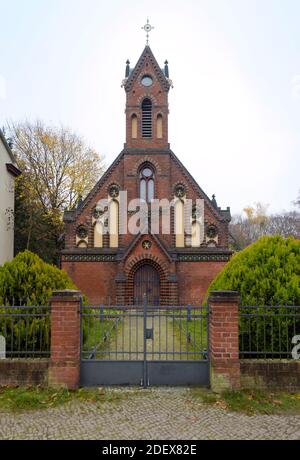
(156, 414)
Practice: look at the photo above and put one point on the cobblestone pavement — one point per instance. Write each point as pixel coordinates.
(155, 414)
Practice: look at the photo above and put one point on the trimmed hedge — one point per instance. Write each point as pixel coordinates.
(28, 280)
(265, 273)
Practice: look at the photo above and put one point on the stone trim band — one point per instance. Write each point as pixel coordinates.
(113, 258)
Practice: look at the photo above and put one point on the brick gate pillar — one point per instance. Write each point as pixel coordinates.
(65, 339)
(224, 340)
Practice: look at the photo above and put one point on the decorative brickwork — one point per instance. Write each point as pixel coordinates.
(145, 160)
(204, 257)
(89, 258)
(132, 268)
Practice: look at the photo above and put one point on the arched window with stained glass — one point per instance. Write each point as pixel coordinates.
(147, 184)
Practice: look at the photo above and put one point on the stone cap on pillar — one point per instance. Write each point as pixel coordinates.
(224, 297)
(66, 295)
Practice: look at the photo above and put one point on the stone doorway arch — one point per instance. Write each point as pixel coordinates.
(155, 271)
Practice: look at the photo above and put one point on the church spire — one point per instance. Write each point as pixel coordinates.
(147, 86)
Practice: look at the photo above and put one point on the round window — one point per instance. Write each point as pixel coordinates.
(147, 80)
(147, 172)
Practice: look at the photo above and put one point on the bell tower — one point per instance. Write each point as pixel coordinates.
(147, 87)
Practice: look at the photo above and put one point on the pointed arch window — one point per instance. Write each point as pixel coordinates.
(147, 118)
(147, 184)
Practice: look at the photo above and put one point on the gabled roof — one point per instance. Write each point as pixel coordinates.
(70, 215)
(147, 54)
(13, 170)
(223, 215)
(11, 167)
(8, 149)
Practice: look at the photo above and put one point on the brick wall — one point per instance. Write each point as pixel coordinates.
(23, 372)
(95, 279)
(194, 279)
(255, 374)
(272, 374)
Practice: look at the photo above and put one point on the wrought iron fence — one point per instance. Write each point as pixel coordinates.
(26, 330)
(266, 332)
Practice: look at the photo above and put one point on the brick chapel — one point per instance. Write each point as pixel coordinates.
(115, 267)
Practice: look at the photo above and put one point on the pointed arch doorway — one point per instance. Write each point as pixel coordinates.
(147, 282)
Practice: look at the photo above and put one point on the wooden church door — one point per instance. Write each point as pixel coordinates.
(146, 282)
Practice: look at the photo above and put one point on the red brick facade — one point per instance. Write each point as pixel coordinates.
(107, 274)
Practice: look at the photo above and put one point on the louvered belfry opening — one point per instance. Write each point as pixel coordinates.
(147, 118)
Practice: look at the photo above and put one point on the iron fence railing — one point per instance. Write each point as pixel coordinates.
(165, 333)
(267, 332)
(114, 332)
(26, 331)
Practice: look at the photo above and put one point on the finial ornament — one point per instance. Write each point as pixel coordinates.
(127, 72)
(214, 201)
(167, 69)
(147, 28)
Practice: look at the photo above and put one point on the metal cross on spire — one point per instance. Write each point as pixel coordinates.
(147, 28)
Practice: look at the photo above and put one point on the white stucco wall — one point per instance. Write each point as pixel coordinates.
(6, 203)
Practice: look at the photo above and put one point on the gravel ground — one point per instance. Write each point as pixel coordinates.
(155, 414)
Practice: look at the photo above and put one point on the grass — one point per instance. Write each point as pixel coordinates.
(99, 333)
(31, 398)
(37, 398)
(251, 402)
(196, 330)
(248, 402)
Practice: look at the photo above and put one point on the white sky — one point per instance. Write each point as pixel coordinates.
(235, 107)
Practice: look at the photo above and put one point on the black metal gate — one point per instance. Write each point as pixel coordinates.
(144, 346)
